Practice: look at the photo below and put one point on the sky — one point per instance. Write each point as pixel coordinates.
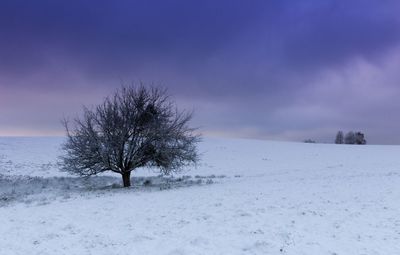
(280, 70)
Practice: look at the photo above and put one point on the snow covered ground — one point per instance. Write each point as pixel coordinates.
(245, 197)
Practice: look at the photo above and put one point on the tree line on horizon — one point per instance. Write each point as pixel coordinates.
(351, 137)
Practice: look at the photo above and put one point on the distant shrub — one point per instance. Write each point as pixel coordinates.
(309, 141)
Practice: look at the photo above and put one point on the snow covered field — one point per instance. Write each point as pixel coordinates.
(245, 197)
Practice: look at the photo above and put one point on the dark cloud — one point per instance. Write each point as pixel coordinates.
(273, 69)
(102, 34)
(341, 30)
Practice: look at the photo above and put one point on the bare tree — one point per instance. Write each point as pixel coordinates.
(136, 127)
(339, 137)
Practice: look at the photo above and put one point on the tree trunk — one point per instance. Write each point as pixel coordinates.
(126, 178)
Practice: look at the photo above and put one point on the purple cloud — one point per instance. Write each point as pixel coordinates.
(267, 69)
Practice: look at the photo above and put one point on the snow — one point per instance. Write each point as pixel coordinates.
(245, 197)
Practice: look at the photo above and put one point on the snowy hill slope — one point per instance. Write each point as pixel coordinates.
(245, 197)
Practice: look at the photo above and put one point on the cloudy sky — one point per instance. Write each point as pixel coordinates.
(285, 70)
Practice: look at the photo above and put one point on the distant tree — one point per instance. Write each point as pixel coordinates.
(135, 127)
(339, 138)
(309, 141)
(350, 138)
(355, 138)
(359, 138)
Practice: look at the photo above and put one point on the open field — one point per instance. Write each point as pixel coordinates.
(245, 197)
